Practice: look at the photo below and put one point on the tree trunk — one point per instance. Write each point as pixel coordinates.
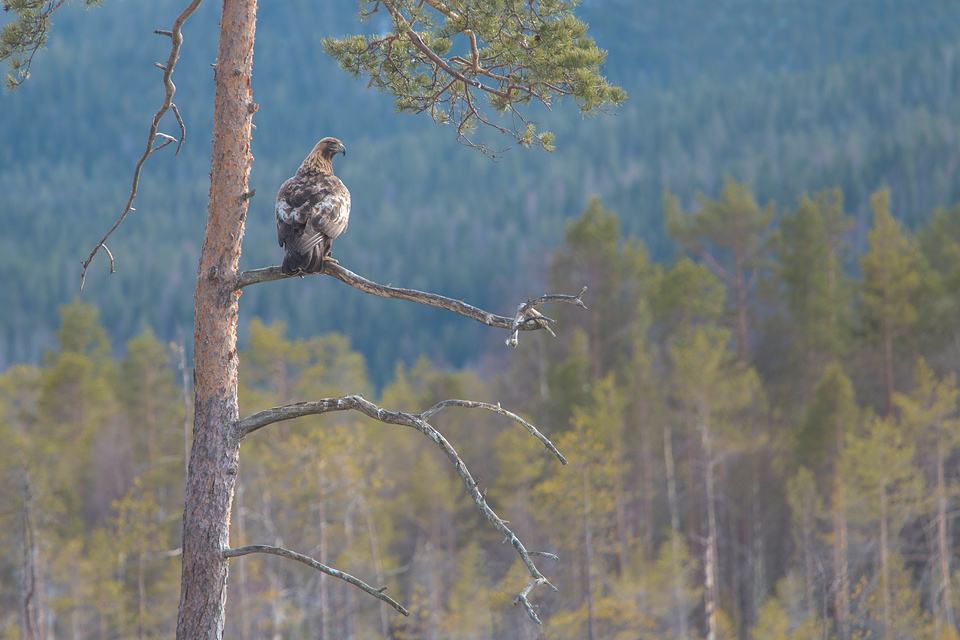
(623, 536)
(758, 563)
(32, 618)
(324, 559)
(214, 457)
(349, 595)
(141, 595)
(241, 540)
(377, 563)
(840, 557)
(675, 527)
(887, 356)
(646, 471)
(741, 295)
(588, 546)
(710, 587)
(842, 593)
(808, 527)
(943, 551)
(884, 560)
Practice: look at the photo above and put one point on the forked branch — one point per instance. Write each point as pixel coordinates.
(310, 562)
(419, 422)
(527, 318)
(176, 41)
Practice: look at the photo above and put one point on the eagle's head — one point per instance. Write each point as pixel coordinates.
(322, 155)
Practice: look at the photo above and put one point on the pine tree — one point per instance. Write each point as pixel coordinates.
(893, 270)
(929, 416)
(616, 274)
(815, 287)
(713, 391)
(831, 415)
(884, 489)
(730, 235)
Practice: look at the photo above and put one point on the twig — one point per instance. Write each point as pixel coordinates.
(183, 128)
(522, 597)
(176, 41)
(105, 248)
(166, 140)
(269, 274)
(264, 418)
(310, 562)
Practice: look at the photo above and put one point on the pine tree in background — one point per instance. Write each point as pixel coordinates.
(730, 236)
(893, 271)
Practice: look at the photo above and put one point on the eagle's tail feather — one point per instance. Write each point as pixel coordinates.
(291, 264)
(309, 262)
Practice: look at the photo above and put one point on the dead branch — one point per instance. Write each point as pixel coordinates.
(310, 562)
(176, 41)
(496, 408)
(529, 318)
(515, 324)
(264, 418)
(522, 598)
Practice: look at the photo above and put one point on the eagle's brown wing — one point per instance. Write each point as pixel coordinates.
(312, 210)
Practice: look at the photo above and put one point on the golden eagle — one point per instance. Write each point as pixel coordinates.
(313, 208)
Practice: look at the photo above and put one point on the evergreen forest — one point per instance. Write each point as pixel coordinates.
(760, 406)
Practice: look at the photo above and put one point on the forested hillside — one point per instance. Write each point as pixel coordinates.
(821, 467)
(791, 97)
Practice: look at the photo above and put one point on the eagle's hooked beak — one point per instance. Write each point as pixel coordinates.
(342, 149)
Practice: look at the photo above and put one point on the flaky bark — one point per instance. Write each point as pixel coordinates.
(215, 453)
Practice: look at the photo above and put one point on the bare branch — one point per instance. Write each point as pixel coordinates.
(269, 274)
(264, 418)
(261, 419)
(183, 128)
(176, 39)
(529, 318)
(166, 141)
(496, 408)
(310, 562)
(522, 597)
(544, 554)
(112, 263)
